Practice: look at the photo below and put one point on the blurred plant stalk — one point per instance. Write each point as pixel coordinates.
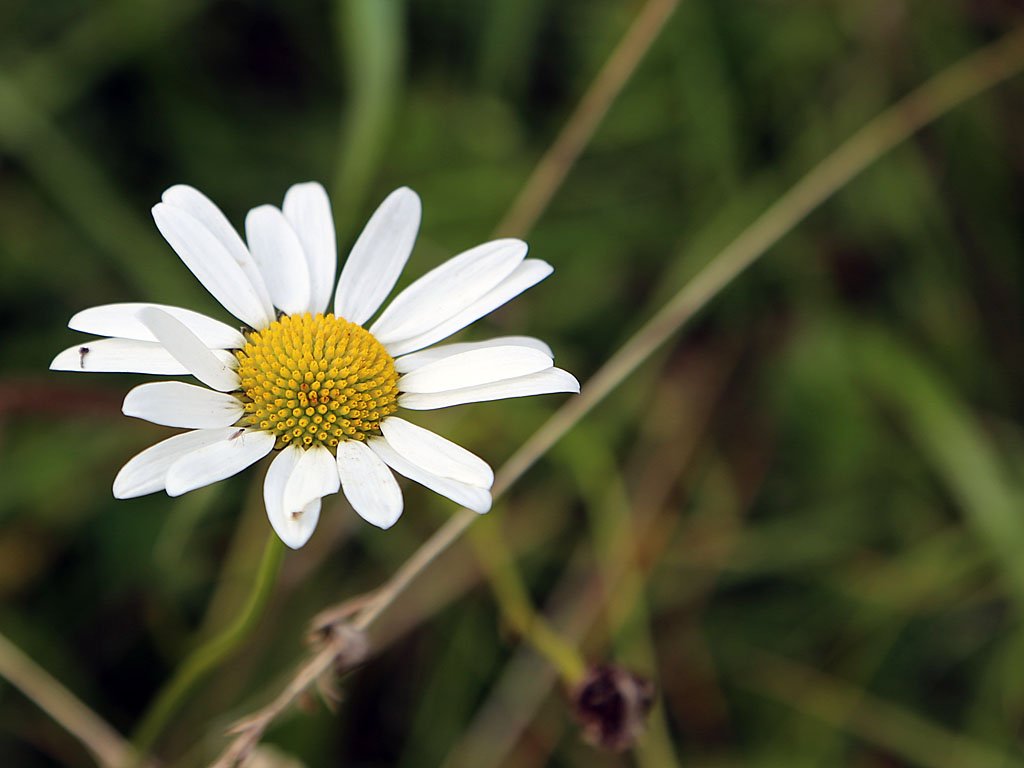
(105, 744)
(211, 653)
(516, 607)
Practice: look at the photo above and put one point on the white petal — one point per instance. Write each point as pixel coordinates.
(118, 356)
(146, 472)
(214, 266)
(219, 460)
(378, 257)
(448, 289)
(368, 484)
(200, 361)
(308, 210)
(203, 210)
(278, 252)
(477, 499)
(293, 527)
(543, 383)
(315, 476)
(526, 275)
(421, 358)
(435, 454)
(475, 367)
(176, 404)
(121, 321)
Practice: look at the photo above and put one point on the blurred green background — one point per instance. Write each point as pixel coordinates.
(817, 491)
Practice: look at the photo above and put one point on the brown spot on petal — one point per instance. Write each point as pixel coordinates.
(612, 704)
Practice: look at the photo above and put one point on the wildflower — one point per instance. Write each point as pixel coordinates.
(321, 388)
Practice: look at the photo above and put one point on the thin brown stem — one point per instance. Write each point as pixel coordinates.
(105, 744)
(555, 164)
(343, 648)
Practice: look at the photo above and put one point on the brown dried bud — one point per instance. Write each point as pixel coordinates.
(612, 703)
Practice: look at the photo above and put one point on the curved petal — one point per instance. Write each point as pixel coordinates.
(368, 484)
(292, 526)
(200, 361)
(475, 367)
(213, 265)
(308, 210)
(118, 356)
(278, 252)
(176, 404)
(543, 383)
(526, 275)
(315, 475)
(435, 454)
(121, 321)
(378, 256)
(448, 289)
(418, 359)
(204, 210)
(477, 499)
(219, 460)
(146, 472)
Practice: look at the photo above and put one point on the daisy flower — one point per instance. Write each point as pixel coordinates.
(320, 389)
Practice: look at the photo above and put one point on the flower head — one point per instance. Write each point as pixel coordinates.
(308, 379)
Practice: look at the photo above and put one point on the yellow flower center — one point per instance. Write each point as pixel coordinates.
(316, 379)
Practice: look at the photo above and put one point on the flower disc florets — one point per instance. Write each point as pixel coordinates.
(316, 379)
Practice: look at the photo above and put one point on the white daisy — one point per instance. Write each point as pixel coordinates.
(315, 386)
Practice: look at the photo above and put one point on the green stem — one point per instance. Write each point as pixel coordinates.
(517, 609)
(211, 653)
(370, 36)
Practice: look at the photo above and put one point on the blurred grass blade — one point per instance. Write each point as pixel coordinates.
(104, 743)
(371, 48)
(89, 198)
(949, 437)
(66, 69)
(900, 731)
(509, 39)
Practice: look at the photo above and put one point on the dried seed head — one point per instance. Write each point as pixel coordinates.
(612, 704)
